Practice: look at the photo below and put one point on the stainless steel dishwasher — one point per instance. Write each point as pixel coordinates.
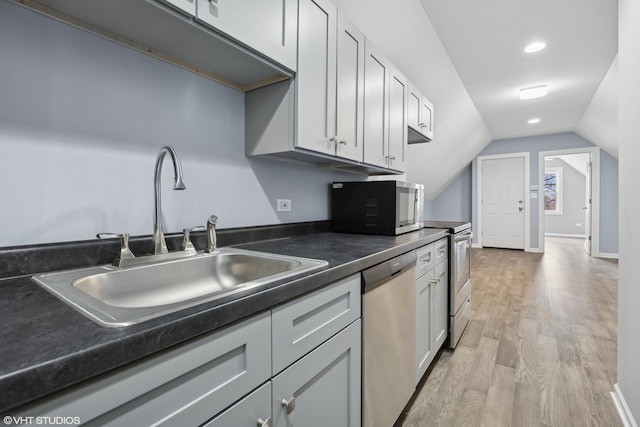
(388, 356)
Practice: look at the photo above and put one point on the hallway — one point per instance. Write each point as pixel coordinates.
(540, 349)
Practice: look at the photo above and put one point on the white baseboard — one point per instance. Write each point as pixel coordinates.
(475, 245)
(623, 409)
(608, 255)
(535, 250)
(573, 236)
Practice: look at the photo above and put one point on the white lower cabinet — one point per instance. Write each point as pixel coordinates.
(323, 388)
(424, 340)
(227, 378)
(432, 312)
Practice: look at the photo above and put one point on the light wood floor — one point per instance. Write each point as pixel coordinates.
(540, 349)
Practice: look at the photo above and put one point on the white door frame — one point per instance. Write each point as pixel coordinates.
(595, 194)
(527, 211)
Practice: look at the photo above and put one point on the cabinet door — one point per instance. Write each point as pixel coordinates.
(324, 385)
(267, 26)
(426, 118)
(440, 304)
(414, 105)
(397, 121)
(376, 107)
(316, 77)
(350, 97)
(254, 410)
(424, 339)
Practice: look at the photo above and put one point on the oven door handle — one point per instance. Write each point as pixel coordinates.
(464, 236)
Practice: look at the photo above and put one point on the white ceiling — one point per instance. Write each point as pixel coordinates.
(485, 42)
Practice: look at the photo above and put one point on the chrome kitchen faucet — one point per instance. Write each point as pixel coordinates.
(159, 243)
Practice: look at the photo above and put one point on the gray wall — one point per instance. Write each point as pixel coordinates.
(454, 202)
(561, 141)
(629, 153)
(81, 122)
(573, 200)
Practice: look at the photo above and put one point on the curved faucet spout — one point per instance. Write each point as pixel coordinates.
(159, 243)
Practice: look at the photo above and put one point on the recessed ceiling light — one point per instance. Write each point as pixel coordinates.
(533, 121)
(535, 47)
(533, 92)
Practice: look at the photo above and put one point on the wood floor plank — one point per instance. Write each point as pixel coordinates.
(540, 349)
(470, 409)
(499, 406)
(553, 396)
(526, 405)
(527, 353)
(483, 363)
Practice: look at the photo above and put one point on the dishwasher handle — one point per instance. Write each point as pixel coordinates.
(382, 273)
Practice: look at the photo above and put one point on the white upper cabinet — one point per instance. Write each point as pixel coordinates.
(376, 108)
(330, 82)
(427, 118)
(397, 121)
(350, 90)
(242, 44)
(267, 26)
(420, 117)
(316, 77)
(385, 112)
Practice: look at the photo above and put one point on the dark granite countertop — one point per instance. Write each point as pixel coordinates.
(46, 345)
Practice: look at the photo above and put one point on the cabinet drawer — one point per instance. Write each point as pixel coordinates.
(186, 385)
(305, 323)
(248, 411)
(425, 260)
(440, 251)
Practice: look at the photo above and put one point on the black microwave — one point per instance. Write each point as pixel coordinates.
(376, 207)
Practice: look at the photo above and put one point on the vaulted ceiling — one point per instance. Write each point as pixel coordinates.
(467, 57)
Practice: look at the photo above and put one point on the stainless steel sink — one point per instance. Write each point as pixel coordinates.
(114, 296)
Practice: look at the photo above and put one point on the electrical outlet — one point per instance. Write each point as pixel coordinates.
(284, 205)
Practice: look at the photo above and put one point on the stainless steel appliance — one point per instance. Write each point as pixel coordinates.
(388, 357)
(376, 207)
(460, 276)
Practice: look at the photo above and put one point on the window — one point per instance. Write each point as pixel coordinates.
(553, 191)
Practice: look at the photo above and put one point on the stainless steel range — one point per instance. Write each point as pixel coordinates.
(460, 276)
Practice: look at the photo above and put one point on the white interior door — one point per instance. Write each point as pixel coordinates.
(503, 203)
(587, 210)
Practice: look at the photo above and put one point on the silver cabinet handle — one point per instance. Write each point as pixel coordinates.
(343, 142)
(427, 259)
(265, 423)
(391, 157)
(289, 405)
(520, 208)
(334, 139)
